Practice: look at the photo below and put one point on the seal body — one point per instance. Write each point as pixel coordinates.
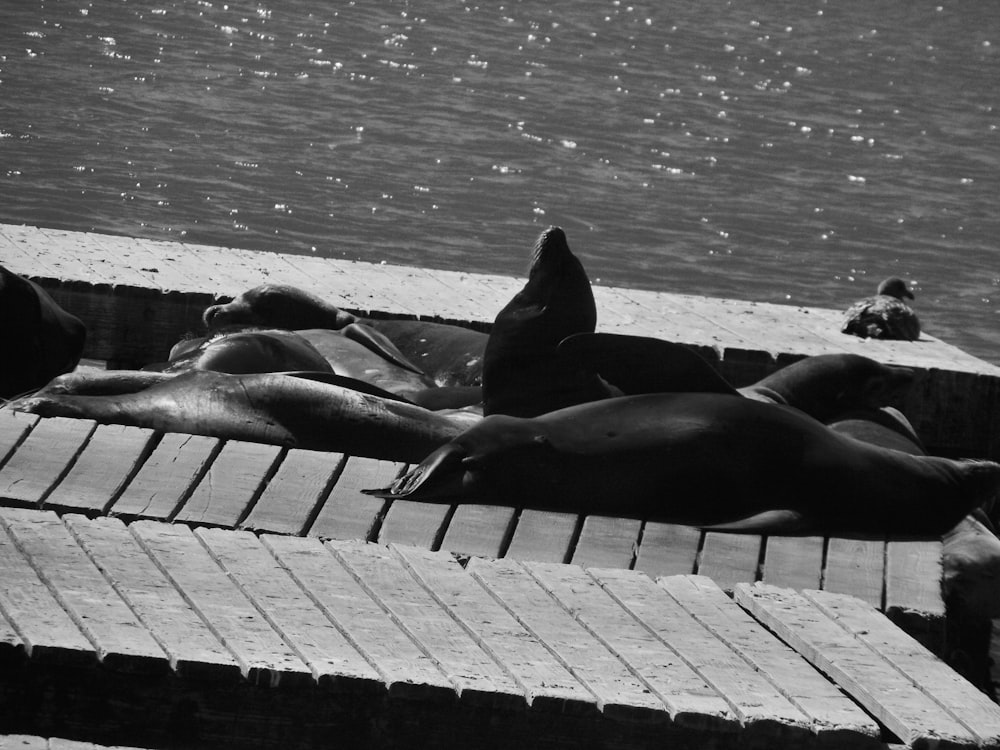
(246, 351)
(450, 355)
(39, 338)
(706, 460)
(885, 315)
(522, 374)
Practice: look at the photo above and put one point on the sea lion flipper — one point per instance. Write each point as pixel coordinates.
(437, 477)
(379, 343)
(345, 382)
(787, 522)
(639, 364)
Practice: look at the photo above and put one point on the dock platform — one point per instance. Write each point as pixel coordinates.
(159, 589)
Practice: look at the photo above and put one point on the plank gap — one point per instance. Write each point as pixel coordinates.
(268, 476)
(193, 484)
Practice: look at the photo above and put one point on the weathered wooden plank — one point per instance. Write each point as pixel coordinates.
(928, 673)
(545, 682)
(14, 426)
(912, 575)
(166, 476)
(47, 632)
(414, 523)
(830, 712)
(668, 549)
(479, 530)
(729, 559)
(23, 742)
(690, 700)
(10, 642)
(100, 472)
(855, 567)
(794, 562)
(264, 658)
(193, 650)
(234, 479)
(607, 542)
(295, 493)
(619, 693)
(545, 536)
(42, 459)
(122, 642)
(289, 610)
(869, 679)
(349, 514)
(405, 669)
(477, 678)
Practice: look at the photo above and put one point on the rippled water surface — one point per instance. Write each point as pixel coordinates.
(777, 151)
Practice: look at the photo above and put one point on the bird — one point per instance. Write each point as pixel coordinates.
(885, 315)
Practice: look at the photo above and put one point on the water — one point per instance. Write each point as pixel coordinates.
(781, 151)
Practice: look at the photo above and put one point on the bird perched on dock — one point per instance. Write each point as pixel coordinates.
(884, 316)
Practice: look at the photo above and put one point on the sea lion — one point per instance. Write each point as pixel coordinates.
(821, 386)
(522, 374)
(39, 338)
(318, 411)
(701, 459)
(246, 351)
(451, 355)
(884, 316)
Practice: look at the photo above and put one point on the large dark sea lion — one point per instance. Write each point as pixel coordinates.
(39, 339)
(522, 374)
(316, 411)
(885, 315)
(451, 355)
(705, 460)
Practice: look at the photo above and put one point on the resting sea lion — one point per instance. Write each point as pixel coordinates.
(39, 339)
(884, 316)
(450, 355)
(701, 459)
(522, 374)
(311, 410)
(245, 351)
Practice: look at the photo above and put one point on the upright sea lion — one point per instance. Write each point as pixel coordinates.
(522, 374)
(39, 339)
(884, 316)
(451, 355)
(318, 411)
(705, 460)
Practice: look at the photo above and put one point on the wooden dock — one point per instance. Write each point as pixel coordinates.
(155, 634)
(138, 297)
(159, 589)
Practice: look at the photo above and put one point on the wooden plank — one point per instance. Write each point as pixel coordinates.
(233, 481)
(47, 632)
(913, 579)
(855, 567)
(929, 674)
(479, 530)
(166, 477)
(729, 559)
(11, 644)
(295, 493)
(264, 658)
(545, 536)
(122, 642)
(607, 542)
(477, 678)
(794, 562)
(193, 650)
(14, 427)
(689, 698)
(414, 523)
(42, 459)
(831, 713)
(668, 549)
(405, 669)
(618, 691)
(545, 682)
(349, 514)
(869, 679)
(23, 742)
(101, 471)
(290, 611)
